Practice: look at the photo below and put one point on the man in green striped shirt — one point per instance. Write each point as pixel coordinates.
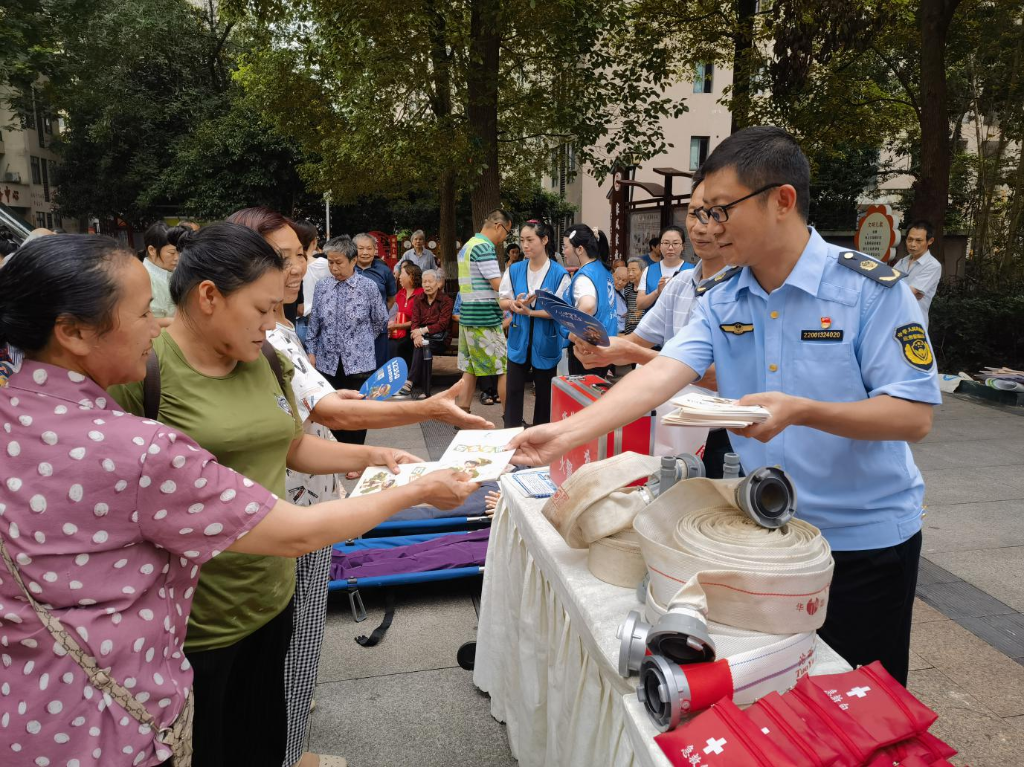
(481, 339)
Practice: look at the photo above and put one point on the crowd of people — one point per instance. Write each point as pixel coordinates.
(176, 429)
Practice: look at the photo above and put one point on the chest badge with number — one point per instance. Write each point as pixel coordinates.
(737, 328)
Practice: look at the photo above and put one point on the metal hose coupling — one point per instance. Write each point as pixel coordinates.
(767, 497)
(670, 691)
(680, 636)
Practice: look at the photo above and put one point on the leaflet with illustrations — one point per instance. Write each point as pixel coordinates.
(694, 409)
(478, 452)
(387, 381)
(584, 325)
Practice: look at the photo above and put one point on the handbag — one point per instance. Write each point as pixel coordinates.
(177, 737)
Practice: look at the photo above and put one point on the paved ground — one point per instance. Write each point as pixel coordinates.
(407, 701)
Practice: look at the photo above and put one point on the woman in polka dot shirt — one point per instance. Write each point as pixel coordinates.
(108, 517)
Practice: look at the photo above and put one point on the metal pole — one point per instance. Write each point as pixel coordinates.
(327, 208)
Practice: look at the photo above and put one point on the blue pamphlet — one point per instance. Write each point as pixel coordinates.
(387, 381)
(572, 319)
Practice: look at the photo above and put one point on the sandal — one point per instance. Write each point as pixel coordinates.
(487, 399)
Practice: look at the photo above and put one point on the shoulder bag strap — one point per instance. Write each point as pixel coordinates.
(98, 677)
(275, 364)
(151, 388)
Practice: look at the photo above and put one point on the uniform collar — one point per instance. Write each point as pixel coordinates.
(806, 274)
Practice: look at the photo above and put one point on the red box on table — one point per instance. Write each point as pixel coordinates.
(570, 394)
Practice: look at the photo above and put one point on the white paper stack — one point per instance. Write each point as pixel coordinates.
(714, 412)
(478, 452)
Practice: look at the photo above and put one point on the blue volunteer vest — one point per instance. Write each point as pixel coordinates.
(546, 349)
(654, 275)
(596, 272)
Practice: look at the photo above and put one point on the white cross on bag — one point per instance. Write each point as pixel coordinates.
(765, 730)
(860, 692)
(715, 746)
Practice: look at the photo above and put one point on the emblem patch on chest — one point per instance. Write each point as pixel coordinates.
(916, 349)
(283, 404)
(737, 328)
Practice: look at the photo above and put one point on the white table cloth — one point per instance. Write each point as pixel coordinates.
(547, 652)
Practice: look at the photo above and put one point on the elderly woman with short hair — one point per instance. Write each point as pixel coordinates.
(431, 316)
(347, 315)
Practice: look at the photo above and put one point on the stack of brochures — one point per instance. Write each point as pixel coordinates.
(713, 412)
(478, 452)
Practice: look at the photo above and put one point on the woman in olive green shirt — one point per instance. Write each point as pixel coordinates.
(218, 388)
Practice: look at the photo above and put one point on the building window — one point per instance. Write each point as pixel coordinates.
(36, 177)
(48, 125)
(704, 80)
(698, 150)
(46, 179)
(40, 220)
(571, 150)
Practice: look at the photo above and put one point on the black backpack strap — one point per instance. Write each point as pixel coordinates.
(275, 364)
(151, 388)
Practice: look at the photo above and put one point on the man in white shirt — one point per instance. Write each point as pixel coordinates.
(923, 270)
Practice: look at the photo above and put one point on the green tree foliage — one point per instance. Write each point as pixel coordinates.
(152, 123)
(412, 95)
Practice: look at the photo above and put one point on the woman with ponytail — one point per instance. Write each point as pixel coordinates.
(534, 343)
(592, 289)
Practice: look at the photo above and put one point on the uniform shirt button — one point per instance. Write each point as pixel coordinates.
(773, 368)
(775, 315)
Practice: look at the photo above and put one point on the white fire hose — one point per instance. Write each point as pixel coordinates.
(722, 586)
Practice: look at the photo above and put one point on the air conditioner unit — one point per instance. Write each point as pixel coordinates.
(14, 178)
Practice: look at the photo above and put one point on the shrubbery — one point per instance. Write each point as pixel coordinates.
(977, 328)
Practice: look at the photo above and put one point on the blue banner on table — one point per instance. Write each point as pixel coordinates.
(386, 381)
(572, 319)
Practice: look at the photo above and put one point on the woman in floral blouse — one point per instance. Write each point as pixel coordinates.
(107, 517)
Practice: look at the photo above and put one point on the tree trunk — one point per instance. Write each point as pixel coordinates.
(447, 233)
(441, 106)
(743, 49)
(931, 195)
(482, 107)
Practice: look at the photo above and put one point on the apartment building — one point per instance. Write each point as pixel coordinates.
(691, 137)
(27, 167)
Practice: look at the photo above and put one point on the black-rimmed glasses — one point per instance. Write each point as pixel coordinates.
(720, 213)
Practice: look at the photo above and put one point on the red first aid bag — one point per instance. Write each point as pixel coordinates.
(722, 736)
(878, 702)
(925, 748)
(791, 734)
(845, 736)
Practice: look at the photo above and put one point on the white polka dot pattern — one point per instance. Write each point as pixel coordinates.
(131, 573)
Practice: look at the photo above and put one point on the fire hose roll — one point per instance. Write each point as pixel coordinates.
(709, 560)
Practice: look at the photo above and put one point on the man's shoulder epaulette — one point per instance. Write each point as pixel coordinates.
(723, 276)
(870, 268)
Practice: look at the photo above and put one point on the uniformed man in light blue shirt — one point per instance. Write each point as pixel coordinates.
(832, 344)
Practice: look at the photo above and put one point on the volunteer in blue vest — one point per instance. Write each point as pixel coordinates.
(656, 276)
(591, 289)
(534, 343)
(832, 344)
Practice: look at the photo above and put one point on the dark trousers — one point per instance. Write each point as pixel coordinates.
(870, 604)
(401, 347)
(418, 370)
(714, 453)
(341, 380)
(381, 349)
(576, 367)
(515, 388)
(241, 716)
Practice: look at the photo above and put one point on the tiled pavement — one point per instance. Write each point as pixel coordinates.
(407, 701)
